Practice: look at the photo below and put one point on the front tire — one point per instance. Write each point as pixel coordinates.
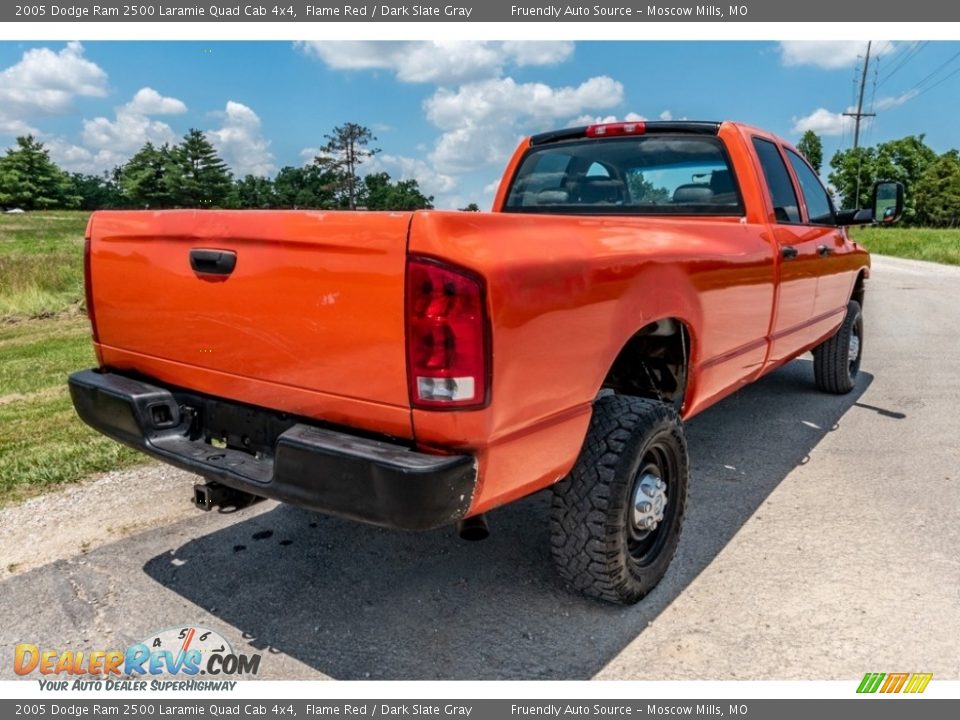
(616, 518)
(836, 361)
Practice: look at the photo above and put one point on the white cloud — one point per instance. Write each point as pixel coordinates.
(308, 154)
(76, 158)
(829, 54)
(241, 143)
(404, 168)
(45, 83)
(488, 100)
(666, 115)
(482, 121)
(538, 52)
(824, 122)
(892, 102)
(148, 101)
(132, 125)
(440, 62)
(597, 119)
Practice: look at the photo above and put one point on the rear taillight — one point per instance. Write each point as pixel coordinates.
(448, 348)
(615, 129)
(88, 288)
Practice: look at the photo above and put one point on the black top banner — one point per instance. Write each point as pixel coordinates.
(314, 11)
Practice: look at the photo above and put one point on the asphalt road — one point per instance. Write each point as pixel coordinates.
(822, 542)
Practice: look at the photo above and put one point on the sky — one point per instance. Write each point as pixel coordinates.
(450, 114)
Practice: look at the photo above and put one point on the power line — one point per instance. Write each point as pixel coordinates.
(939, 82)
(911, 52)
(939, 68)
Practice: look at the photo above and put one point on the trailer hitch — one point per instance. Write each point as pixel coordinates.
(208, 495)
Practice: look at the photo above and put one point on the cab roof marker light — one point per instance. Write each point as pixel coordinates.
(616, 129)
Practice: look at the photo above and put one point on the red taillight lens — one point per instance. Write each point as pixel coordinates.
(88, 288)
(614, 129)
(448, 358)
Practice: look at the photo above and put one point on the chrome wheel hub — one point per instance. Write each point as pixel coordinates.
(649, 502)
(854, 350)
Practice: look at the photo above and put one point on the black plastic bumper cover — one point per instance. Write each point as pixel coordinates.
(333, 472)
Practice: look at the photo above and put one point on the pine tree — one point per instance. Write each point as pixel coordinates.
(253, 192)
(30, 180)
(345, 150)
(142, 179)
(197, 177)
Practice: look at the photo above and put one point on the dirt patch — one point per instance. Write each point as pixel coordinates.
(84, 516)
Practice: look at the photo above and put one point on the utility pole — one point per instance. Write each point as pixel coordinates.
(860, 114)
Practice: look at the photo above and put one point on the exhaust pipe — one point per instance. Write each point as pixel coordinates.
(473, 528)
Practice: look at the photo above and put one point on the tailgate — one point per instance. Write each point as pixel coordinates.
(309, 320)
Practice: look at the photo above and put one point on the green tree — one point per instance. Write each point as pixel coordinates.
(30, 180)
(95, 191)
(347, 147)
(643, 190)
(253, 192)
(811, 148)
(305, 187)
(937, 192)
(142, 179)
(472, 207)
(906, 160)
(847, 166)
(197, 177)
(380, 193)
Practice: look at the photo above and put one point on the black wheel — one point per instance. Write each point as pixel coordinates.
(836, 361)
(616, 518)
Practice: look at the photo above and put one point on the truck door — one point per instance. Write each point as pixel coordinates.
(798, 259)
(833, 272)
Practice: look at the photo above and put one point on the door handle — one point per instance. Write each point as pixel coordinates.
(824, 250)
(213, 262)
(788, 252)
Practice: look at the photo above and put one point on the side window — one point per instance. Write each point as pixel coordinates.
(818, 202)
(785, 205)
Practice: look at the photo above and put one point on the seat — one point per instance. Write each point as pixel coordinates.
(600, 191)
(692, 193)
(724, 191)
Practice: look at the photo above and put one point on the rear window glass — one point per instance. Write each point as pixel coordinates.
(648, 175)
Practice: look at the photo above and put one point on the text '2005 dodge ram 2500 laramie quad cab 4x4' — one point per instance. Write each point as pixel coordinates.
(417, 369)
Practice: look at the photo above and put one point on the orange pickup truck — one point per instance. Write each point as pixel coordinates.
(418, 369)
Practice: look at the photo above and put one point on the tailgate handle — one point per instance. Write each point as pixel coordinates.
(213, 262)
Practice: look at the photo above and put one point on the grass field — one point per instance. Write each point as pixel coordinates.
(941, 246)
(44, 336)
(42, 442)
(41, 263)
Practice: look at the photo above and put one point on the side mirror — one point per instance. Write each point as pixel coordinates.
(886, 208)
(887, 202)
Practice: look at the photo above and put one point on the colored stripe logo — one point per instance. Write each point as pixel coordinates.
(887, 683)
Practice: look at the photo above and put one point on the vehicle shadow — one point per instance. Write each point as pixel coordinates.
(356, 602)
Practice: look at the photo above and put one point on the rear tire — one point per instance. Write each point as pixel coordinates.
(836, 361)
(634, 456)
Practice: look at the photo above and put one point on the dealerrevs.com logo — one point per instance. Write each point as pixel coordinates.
(888, 683)
(175, 657)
